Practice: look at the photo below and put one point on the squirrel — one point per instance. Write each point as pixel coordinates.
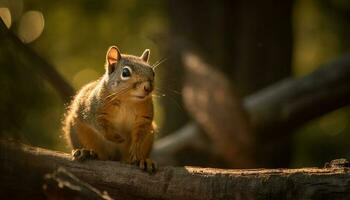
(112, 118)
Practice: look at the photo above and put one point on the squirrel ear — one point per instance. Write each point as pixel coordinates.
(145, 55)
(112, 57)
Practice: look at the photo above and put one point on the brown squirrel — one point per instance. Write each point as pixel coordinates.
(112, 118)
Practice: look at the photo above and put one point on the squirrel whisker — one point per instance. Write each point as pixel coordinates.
(155, 65)
(123, 90)
(117, 94)
(170, 96)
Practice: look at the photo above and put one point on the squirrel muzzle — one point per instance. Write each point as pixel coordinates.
(143, 90)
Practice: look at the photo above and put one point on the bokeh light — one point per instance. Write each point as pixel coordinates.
(31, 26)
(6, 16)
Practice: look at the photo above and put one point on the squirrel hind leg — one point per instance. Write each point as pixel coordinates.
(72, 137)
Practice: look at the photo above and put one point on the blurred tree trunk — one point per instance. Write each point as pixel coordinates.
(252, 45)
(338, 15)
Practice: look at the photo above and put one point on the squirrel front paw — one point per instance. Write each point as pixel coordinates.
(147, 165)
(83, 154)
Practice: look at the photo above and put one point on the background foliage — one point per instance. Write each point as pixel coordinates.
(74, 36)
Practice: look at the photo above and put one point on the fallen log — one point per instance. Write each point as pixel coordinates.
(23, 169)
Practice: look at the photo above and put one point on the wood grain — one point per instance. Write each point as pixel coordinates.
(23, 168)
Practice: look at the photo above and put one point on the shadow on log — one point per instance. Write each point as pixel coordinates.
(23, 169)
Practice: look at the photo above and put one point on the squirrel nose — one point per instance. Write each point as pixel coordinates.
(147, 87)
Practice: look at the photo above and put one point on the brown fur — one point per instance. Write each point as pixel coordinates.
(106, 117)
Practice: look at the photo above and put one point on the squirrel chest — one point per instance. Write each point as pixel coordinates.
(125, 116)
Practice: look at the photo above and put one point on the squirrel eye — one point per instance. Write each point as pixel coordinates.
(126, 73)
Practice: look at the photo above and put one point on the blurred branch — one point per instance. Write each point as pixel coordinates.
(23, 167)
(36, 62)
(287, 104)
(214, 104)
(165, 148)
(294, 101)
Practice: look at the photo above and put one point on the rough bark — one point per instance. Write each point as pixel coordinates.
(23, 168)
(62, 184)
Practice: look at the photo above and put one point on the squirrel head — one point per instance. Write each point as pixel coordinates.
(129, 76)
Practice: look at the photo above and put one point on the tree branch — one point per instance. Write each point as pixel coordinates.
(290, 103)
(62, 184)
(23, 168)
(214, 105)
(165, 148)
(36, 62)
